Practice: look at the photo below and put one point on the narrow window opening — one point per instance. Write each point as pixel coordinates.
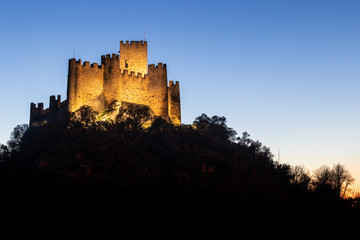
(126, 64)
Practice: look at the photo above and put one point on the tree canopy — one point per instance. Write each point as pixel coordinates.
(203, 169)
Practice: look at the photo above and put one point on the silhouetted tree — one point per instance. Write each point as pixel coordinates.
(159, 125)
(245, 139)
(300, 178)
(335, 180)
(283, 176)
(4, 154)
(322, 179)
(341, 179)
(16, 137)
(203, 168)
(215, 126)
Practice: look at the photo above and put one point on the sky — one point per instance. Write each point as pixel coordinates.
(285, 71)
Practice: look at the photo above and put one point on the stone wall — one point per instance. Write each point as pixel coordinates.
(174, 102)
(133, 56)
(57, 111)
(122, 78)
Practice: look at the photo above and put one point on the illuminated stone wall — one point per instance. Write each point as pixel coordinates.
(174, 102)
(123, 78)
(111, 77)
(85, 85)
(133, 56)
(158, 90)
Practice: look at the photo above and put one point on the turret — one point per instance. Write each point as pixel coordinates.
(158, 88)
(123, 77)
(174, 102)
(36, 112)
(133, 56)
(54, 103)
(111, 76)
(71, 86)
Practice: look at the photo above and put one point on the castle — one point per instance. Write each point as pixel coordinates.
(121, 80)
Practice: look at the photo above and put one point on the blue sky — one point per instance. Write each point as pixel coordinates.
(287, 72)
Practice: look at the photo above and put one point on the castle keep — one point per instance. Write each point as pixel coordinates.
(120, 80)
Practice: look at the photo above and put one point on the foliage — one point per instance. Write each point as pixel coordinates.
(134, 116)
(202, 169)
(4, 154)
(215, 126)
(84, 116)
(332, 181)
(300, 177)
(111, 109)
(16, 137)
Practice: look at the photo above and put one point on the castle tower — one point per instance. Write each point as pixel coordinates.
(133, 56)
(174, 102)
(36, 112)
(120, 79)
(71, 85)
(111, 76)
(158, 89)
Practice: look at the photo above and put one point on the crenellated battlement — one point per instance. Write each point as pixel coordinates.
(39, 114)
(123, 77)
(110, 61)
(133, 43)
(108, 56)
(54, 102)
(158, 75)
(133, 56)
(54, 105)
(172, 84)
(153, 67)
(133, 74)
(36, 110)
(95, 65)
(174, 102)
(85, 64)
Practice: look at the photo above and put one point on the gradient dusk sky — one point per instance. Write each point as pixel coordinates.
(285, 71)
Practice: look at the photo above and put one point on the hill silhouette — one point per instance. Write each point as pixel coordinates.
(197, 172)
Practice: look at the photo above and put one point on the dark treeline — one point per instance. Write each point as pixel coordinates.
(202, 171)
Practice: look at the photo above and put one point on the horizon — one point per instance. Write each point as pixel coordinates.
(286, 73)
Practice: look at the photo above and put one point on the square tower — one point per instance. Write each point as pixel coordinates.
(133, 56)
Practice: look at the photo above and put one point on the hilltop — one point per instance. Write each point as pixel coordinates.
(203, 171)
